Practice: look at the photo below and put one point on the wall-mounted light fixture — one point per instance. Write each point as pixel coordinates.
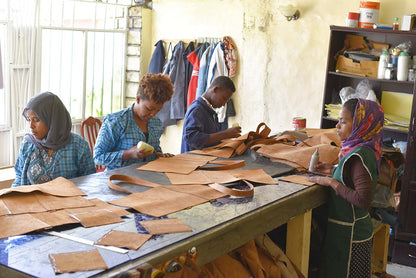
(289, 11)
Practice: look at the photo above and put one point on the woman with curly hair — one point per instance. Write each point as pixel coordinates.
(120, 132)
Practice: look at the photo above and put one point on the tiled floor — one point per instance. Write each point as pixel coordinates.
(401, 271)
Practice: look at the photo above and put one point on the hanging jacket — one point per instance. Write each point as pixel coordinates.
(203, 70)
(158, 58)
(174, 109)
(188, 70)
(194, 59)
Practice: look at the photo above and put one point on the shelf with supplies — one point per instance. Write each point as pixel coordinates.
(396, 97)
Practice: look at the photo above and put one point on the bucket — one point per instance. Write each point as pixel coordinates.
(368, 14)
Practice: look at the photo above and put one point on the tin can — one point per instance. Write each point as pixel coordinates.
(299, 123)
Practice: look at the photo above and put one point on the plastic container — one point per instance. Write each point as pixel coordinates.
(142, 146)
(368, 14)
(396, 23)
(389, 73)
(403, 66)
(352, 19)
(382, 64)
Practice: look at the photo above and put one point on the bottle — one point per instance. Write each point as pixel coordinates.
(314, 161)
(403, 66)
(411, 75)
(142, 146)
(396, 23)
(382, 64)
(389, 73)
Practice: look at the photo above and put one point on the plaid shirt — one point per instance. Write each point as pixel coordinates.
(72, 160)
(119, 132)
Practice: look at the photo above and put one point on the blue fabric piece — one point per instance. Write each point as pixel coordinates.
(119, 132)
(203, 70)
(158, 58)
(200, 122)
(72, 160)
(174, 109)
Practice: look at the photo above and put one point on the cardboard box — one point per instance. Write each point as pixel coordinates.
(408, 22)
(363, 68)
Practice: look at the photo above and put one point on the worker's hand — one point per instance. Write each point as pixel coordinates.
(233, 132)
(325, 181)
(160, 154)
(324, 168)
(135, 153)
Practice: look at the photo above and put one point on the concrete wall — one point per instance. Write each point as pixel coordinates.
(281, 64)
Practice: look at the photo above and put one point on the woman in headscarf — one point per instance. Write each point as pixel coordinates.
(51, 150)
(348, 242)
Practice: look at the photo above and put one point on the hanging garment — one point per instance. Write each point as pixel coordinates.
(188, 69)
(203, 70)
(158, 58)
(174, 109)
(194, 59)
(230, 52)
(217, 67)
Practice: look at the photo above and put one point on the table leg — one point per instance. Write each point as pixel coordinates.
(298, 241)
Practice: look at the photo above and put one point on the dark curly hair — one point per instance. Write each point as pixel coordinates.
(156, 87)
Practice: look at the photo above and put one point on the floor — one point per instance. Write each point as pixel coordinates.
(401, 271)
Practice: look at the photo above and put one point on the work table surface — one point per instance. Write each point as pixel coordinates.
(217, 227)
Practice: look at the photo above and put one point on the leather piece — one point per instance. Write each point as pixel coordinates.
(96, 218)
(129, 179)
(98, 204)
(77, 261)
(299, 179)
(233, 191)
(55, 218)
(58, 187)
(12, 225)
(298, 154)
(123, 239)
(159, 201)
(198, 190)
(224, 165)
(165, 226)
(222, 176)
(237, 146)
(181, 163)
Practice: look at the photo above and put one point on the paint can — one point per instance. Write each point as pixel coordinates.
(368, 14)
(298, 123)
(352, 19)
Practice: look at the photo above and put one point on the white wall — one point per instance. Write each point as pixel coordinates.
(281, 66)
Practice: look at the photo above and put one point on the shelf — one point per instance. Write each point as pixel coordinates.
(409, 83)
(387, 129)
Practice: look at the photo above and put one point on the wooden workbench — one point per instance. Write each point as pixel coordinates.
(218, 227)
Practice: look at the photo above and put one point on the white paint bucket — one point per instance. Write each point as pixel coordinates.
(368, 14)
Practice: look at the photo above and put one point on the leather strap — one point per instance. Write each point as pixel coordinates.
(225, 165)
(233, 191)
(128, 179)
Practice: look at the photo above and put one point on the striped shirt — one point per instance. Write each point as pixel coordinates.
(119, 132)
(33, 165)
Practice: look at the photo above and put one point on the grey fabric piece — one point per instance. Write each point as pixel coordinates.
(53, 113)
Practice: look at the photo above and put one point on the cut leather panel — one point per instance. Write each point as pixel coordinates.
(123, 239)
(77, 261)
(181, 163)
(58, 187)
(12, 225)
(165, 226)
(96, 218)
(159, 201)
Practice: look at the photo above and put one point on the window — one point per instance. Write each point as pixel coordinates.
(4, 113)
(82, 59)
